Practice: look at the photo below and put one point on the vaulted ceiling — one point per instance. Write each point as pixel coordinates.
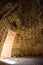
(26, 18)
(4, 6)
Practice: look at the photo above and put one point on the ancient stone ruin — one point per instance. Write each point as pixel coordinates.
(25, 18)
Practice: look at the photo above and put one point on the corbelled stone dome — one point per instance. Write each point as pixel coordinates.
(25, 17)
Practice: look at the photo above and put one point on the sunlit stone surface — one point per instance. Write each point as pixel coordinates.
(7, 47)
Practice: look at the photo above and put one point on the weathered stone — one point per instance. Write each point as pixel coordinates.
(26, 19)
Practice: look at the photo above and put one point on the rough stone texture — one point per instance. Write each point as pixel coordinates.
(26, 19)
(27, 42)
(4, 26)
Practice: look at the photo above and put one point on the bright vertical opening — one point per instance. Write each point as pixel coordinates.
(7, 47)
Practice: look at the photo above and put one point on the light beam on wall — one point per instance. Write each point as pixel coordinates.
(7, 47)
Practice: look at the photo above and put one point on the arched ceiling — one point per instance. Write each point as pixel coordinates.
(21, 10)
(3, 4)
(27, 15)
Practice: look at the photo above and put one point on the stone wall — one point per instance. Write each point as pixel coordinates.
(4, 26)
(26, 19)
(29, 39)
(28, 42)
